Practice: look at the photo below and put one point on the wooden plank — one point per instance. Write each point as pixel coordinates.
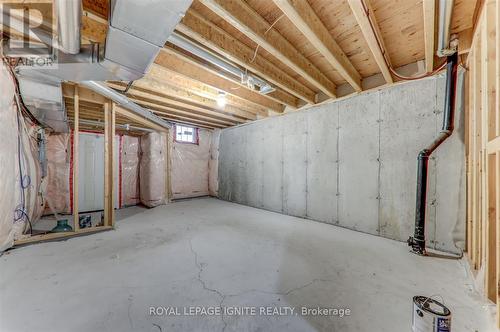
(137, 118)
(84, 94)
(171, 77)
(108, 156)
(493, 146)
(196, 27)
(188, 97)
(475, 57)
(112, 164)
(429, 8)
(497, 209)
(300, 13)
(175, 61)
(76, 139)
(363, 18)
(157, 97)
(488, 132)
(244, 18)
(61, 235)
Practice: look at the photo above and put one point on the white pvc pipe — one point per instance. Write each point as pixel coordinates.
(445, 12)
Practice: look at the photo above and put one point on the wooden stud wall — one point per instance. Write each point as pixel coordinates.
(483, 151)
(108, 111)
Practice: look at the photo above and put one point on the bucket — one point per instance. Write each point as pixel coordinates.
(430, 315)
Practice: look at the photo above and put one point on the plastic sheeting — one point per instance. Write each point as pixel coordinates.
(213, 164)
(8, 134)
(58, 173)
(130, 170)
(190, 167)
(20, 190)
(152, 170)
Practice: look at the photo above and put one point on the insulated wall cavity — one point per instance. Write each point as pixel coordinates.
(58, 174)
(8, 134)
(352, 163)
(190, 167)
(152, 169)
(130, 170)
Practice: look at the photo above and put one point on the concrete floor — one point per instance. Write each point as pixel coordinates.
(207, 252)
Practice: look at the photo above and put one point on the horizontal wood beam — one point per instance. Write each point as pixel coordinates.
(303, 17)
(183, 65)
(244, 18)
(169, 76)
(178, 93)
(371, 36)
(139, 119)
(208, 34)
(157, 97)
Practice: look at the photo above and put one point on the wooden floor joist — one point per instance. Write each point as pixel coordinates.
(213, 37)
(240, 15)
(174, 61)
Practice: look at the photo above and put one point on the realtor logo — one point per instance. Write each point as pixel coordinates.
(27, 33)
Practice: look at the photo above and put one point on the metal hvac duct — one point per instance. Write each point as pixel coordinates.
(190, 46)
(123, 101)
(69, 15)
(137, 30)
(445, 13)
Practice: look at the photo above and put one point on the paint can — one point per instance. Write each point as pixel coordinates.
(430, 315)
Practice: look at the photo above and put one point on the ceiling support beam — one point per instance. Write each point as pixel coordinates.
(169, 76)
(300, 13)
(157, 97)
(244, 18)
(210, 35)
(191, 98)
(185, 66)
(363, 18)
(429, 8)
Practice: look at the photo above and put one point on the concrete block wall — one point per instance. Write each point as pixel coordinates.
(352, 163)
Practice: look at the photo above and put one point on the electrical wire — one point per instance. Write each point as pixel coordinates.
(384, 54)
(258, 45)
(20, 212)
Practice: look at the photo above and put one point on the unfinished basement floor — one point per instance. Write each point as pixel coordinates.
(207, 252)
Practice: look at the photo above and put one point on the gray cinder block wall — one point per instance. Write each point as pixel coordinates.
(352, 163)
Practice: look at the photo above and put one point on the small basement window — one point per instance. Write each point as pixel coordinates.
(185, 134)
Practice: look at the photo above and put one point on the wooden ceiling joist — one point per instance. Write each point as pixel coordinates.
(371, 36)
(215, 38)
(181, 64)
(429, 10)
(160, 108)
(244, 18)
(190, 98)
(171, 77)
(150, 98)
(300, 13)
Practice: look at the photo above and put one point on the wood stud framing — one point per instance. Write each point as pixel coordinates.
(483, 151)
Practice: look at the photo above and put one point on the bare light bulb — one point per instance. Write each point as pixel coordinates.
(221, 99)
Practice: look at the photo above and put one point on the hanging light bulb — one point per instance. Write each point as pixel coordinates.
(221, 99)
